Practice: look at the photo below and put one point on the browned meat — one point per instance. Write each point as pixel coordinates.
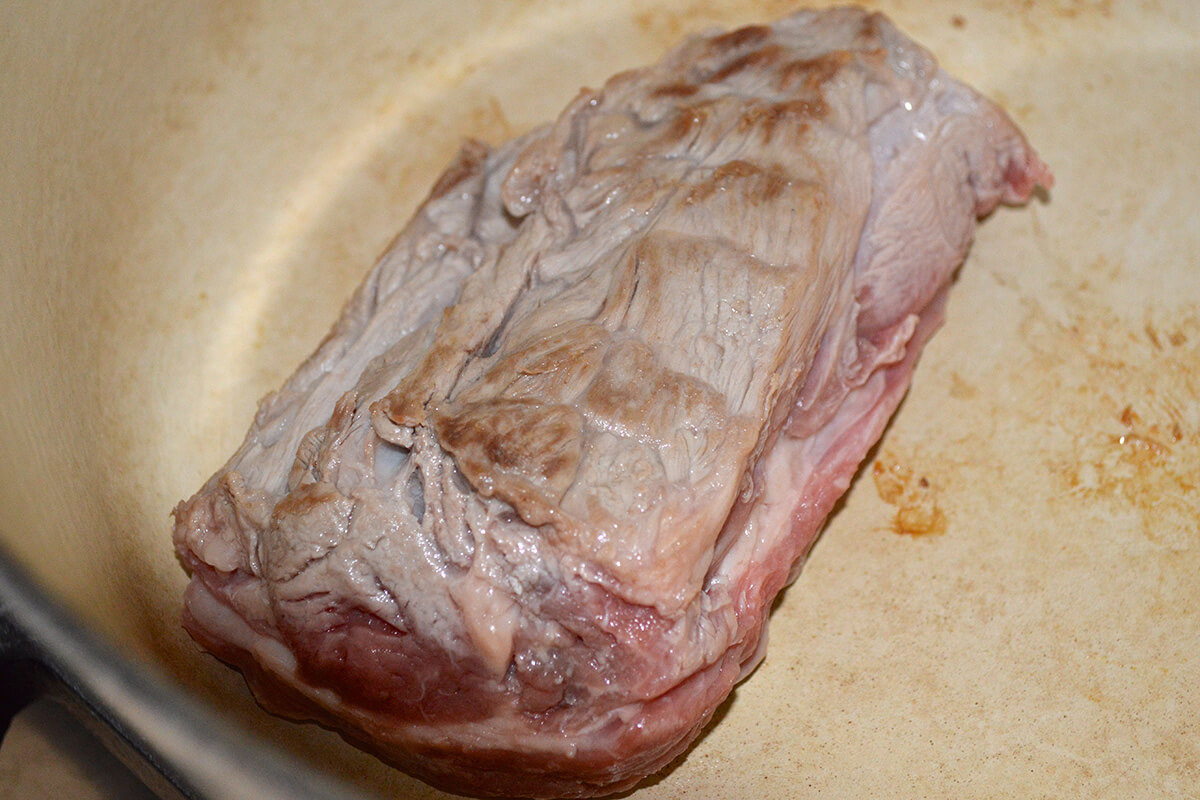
(517, 524)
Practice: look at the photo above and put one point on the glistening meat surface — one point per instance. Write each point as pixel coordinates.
(516, 526)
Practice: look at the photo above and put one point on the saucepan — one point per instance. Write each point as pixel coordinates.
(1006, 601)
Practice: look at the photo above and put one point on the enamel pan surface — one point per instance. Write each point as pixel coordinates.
(1006, 605)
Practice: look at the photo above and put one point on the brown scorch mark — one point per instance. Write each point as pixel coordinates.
(1133, 398)
(916, 499)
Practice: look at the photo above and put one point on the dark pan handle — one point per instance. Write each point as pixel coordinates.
(176, 747)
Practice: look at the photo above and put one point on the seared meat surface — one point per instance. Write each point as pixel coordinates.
(517, 524)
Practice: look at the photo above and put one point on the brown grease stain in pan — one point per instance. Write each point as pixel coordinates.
(918, 512)
(1129, 395)
(1114, 406)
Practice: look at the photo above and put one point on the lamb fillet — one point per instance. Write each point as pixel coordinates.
(517, 524)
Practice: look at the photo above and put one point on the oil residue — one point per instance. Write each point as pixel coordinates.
(918, 512)
(1129, 398)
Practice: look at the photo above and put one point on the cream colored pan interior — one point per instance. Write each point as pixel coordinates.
(1007, 605)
